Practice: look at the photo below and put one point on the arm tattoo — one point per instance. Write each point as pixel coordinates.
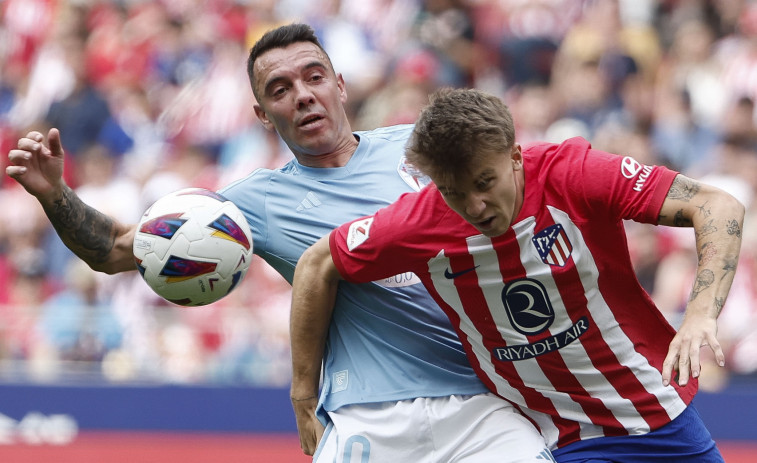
(683, 188)
(680, 220)
(703, 281)
(706, 253)
(734, 228)
(707, 229)
(88, 232)
(719, 303)
(728, 267)
(705, 212)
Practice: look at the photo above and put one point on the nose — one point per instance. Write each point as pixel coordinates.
(474, 205)
(303, 96)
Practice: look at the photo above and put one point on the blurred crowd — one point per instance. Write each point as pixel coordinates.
(152, 96)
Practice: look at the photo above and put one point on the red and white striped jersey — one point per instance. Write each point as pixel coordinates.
(551, 314)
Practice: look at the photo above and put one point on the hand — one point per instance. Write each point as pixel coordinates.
(696, 332)
(38, 167)
(308, 426)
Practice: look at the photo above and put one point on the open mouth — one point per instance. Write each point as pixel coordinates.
(486, 223)
(310, 120)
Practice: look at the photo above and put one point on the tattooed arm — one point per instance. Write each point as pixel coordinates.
(717, 219)
(96, 238)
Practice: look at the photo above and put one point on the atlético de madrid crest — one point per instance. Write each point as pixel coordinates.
(553, 245)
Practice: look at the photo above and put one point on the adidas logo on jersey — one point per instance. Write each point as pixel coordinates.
(310, 201)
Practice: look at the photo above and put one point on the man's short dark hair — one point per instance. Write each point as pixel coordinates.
(281, 37)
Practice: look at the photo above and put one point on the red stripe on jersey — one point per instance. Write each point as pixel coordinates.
(573, 297)
(560, 248)
(553, 365)
(616, 290)
(455, 320)
(514, 379)
(567, 429)
(622, 378)
(477, 310)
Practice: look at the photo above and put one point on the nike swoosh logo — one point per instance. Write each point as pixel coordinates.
(449, 275)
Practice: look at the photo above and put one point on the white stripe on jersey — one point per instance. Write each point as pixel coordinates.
(535, 268)
(558, 248)
(616, 339)
(575, 355)
(530, 369)
(448, 292)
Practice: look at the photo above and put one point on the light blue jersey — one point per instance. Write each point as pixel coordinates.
(388, 341)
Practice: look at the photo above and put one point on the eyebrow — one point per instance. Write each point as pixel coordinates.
(308, 66)
(449, 190)
(486, 173)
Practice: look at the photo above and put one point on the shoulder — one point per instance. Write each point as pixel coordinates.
(564, 159)
(247, 185)
(570, 148)
(391, 133)
(397, 225)
(418, 209)
(554, 172)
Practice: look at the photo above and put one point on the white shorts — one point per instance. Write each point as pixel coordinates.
(480, 428)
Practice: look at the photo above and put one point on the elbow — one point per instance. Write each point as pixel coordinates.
(108, 270)
(119, 257)
(741, 210)
(103, 267)
(111, 267)
(732, 212)
(316, 262)
(100, 267)
(728, 207)
(735, 208)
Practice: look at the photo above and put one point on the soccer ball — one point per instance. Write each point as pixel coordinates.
(193, 247)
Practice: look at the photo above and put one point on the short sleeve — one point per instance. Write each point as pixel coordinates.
(623, 187)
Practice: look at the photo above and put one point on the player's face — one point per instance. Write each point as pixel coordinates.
(490, 196)
(303, 100)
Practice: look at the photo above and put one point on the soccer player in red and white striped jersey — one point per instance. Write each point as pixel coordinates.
(524, 248)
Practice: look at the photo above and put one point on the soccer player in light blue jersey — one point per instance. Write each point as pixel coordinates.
(396, 384)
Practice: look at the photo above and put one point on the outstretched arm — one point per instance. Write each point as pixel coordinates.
(717, 218)
(96, 238)
(316, 279)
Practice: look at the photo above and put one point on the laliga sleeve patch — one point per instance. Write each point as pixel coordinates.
(412, 176)
(358, 233)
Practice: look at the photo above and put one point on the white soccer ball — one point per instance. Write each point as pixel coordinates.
(193, 247)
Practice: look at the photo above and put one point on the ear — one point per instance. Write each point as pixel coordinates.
(516, 155)
(342, 88)
(267, 124)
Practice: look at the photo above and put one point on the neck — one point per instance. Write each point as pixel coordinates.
(336, 158)
(520, 191)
